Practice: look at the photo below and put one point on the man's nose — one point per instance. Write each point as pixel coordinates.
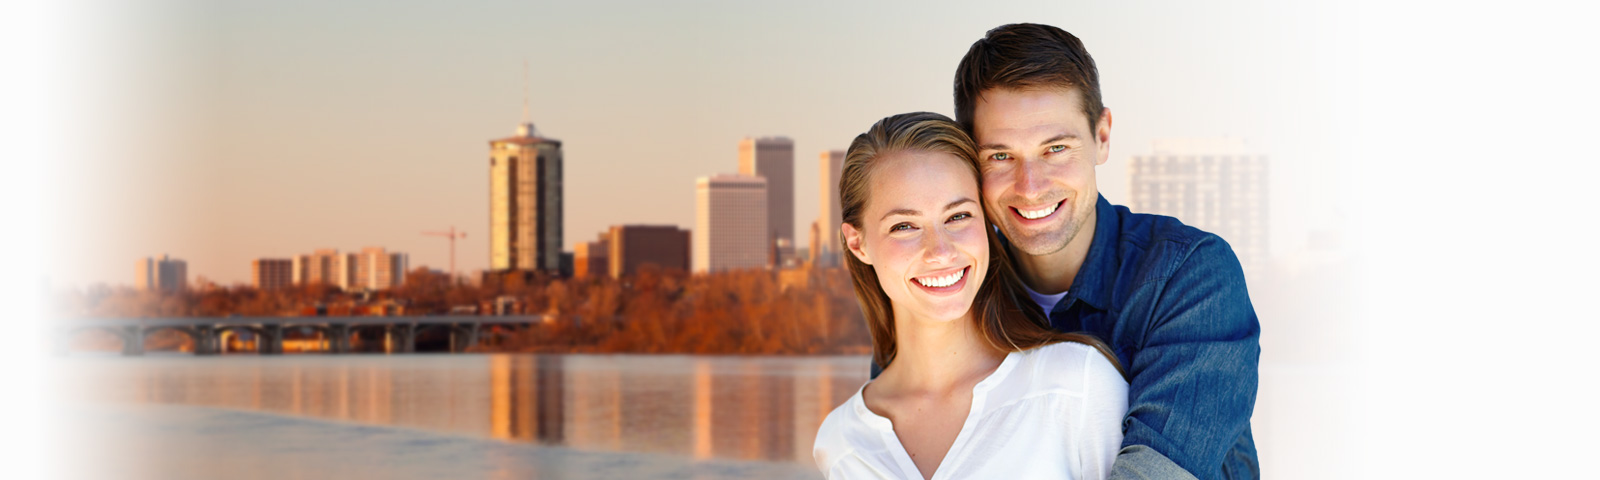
(1032, 180)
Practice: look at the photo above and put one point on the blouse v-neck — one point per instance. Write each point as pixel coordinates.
(885, 427)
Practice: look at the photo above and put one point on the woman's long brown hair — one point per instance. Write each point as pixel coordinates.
(1006, 319)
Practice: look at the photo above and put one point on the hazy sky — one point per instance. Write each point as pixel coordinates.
(1451, 143)
(221, 132)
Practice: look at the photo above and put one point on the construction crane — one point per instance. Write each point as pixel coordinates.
(452, 235)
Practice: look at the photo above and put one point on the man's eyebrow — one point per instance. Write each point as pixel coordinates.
(913, 213)
(1002, 146)
(1059, 137)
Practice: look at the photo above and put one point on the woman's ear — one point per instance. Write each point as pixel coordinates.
(852, 241)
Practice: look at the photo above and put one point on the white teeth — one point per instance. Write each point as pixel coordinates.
(1038, 214)
(944, 281)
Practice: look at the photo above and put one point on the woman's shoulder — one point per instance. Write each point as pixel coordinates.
(844, 432)
(1073, 366)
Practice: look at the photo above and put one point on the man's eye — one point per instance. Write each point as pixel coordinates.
(959, 217)
(1000, 157)
(1057, 148)
(899, 227)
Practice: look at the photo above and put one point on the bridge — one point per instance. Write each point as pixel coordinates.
(398, 334)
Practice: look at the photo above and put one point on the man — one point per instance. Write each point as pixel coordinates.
(1169, 298)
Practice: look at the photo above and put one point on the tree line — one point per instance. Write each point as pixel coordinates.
(809, 311)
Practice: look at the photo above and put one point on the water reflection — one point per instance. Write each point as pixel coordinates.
(741, 408)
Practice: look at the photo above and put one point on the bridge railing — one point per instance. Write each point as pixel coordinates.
(399, 332)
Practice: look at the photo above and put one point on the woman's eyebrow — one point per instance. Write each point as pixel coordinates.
(915, 213)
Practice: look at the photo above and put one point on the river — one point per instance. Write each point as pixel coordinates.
(533, 416)
(451, 416)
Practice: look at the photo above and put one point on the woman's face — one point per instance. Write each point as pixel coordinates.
(923, 233)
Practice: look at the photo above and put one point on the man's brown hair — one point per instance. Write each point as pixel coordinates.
(1027, 55)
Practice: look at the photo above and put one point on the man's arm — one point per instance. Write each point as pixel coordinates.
(1194, 378)
(1138, 462)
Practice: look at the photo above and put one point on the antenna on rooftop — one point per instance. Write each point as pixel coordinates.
(525, 91)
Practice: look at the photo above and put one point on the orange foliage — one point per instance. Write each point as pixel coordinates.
(654, 311)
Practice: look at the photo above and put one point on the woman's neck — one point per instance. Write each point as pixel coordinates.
(935, 356)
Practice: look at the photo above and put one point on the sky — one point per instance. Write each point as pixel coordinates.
(1447, 142)
(229, 131)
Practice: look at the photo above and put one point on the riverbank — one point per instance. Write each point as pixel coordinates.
(182, 442)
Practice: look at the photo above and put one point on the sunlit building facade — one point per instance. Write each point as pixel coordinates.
(165, 274)
(525, 202)
(826, 251)
(591, 258)
(378, 269)
(271, 273)
(634, 246)
(773, 158)
(1214, 184)
(325, 266)
(731, 228)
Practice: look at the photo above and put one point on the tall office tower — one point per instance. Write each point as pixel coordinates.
(633, 246)
(165, 274)
(174, 274)
(773, 158)
(828, 216)
(730, 223)
(590, 258)
(377, 269)
(144, 278)
(271, 273)
(525, 206)
(1214, 184)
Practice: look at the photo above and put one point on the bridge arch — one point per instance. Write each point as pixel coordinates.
(226, 331)
(189, 332)
(326, 335)
(121, 333)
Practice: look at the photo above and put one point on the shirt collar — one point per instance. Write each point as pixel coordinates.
(1090, 284)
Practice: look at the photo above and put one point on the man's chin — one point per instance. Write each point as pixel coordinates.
(1037, 244)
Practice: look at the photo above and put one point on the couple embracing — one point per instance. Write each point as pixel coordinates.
(1024, 326)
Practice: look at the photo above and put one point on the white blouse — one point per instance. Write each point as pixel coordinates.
(1050, 412)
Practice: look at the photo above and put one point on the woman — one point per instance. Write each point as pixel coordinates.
(975, 383)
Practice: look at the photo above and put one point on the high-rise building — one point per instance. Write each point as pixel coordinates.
(828, 216)
(633, 246)
(165, 274)
(1214, 184)
(144, 277)
(591, 258)
(731, 229)
(525, 202)
(271, 273)
(773, 159)
(325, 266)
(377, 269)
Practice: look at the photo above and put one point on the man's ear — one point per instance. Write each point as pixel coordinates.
(852, 241)
(1102, 136)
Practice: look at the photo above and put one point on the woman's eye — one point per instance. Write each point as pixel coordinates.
(1000, 157)
(899, 227)
(959, 217)
(1057, 148)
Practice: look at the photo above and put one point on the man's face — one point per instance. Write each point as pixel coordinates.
(1037, 153)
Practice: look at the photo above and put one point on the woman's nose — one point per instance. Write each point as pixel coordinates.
(940, 247)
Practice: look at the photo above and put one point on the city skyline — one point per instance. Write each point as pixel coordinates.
(359, 131)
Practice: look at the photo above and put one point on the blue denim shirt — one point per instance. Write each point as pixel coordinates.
(1170, 300)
